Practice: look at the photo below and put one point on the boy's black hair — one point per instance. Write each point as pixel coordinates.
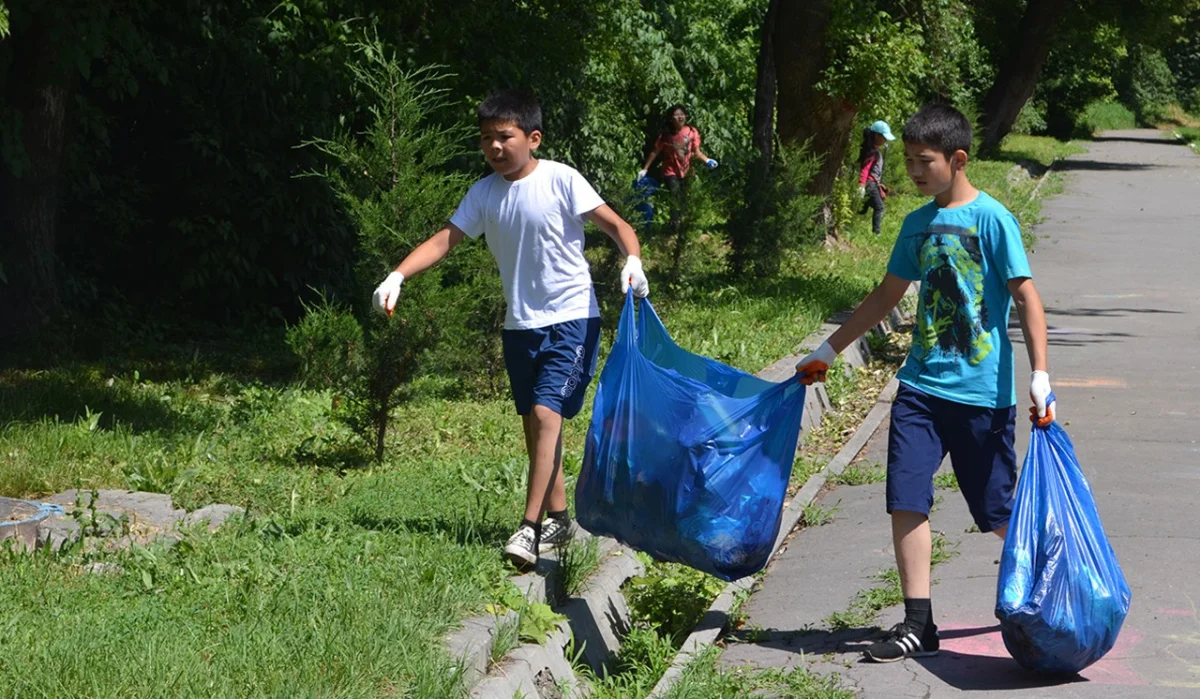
(671, 112)
(513, 105)
(941, 127)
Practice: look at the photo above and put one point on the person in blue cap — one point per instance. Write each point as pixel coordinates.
(870, 177)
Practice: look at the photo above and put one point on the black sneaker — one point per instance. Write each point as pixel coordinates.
(902, 642)
(522, 548)
(555, 533)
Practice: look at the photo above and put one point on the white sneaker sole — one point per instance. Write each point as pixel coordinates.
(918, 654)
(521, 558)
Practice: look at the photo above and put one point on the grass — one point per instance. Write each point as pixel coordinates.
(818, 516)
(346, 574)
(1191, 135)
(578, 560)
(946, 480)
(861, 474)
(703, 678)
(1107, 116)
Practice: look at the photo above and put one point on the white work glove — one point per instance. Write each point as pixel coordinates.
(386, 294)
(814, 366)
(1042, 412)
(633, 277)
(641, 174)
(710, 163)
(862, 192)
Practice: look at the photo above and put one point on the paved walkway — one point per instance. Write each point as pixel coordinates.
(1118, 266)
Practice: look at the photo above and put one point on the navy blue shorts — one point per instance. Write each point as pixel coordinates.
(980, 443)
(552, 366)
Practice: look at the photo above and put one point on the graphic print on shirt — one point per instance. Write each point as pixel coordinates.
(952, 312)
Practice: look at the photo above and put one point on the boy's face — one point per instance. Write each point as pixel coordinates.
(506, 146)
(929, 168)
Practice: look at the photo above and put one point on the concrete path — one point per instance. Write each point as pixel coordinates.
(1118, 265)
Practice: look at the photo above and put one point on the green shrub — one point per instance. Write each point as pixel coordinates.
(1149, 86)
(1106, 116)
(781, 213)
(1032, 119)
(328, 341)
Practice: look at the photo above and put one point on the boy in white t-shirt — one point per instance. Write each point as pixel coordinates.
(531, 212)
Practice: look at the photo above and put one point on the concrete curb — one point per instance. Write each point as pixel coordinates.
(714, 621)
(596, 620)
(598, 617)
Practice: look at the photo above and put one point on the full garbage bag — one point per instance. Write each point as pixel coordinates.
(687, 459)
(1061, 596)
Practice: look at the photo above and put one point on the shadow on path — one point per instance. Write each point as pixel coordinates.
(1103, 165)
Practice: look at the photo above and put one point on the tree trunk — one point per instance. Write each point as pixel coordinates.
(746, 233)
(1019, 73)
(807, 115)
(764, 92)
(29, 189)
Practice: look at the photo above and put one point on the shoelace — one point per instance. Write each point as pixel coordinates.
(524, 537)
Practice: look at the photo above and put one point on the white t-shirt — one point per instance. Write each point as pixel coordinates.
(534, 228)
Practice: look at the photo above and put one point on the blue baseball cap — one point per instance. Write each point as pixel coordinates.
(882, 128)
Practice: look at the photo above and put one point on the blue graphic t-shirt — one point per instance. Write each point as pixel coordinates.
(964, 258)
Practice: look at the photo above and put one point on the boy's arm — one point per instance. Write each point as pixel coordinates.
(1033, 325)
(623, 235)
(869, 313)
(424, 256)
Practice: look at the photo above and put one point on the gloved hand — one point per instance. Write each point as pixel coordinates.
(814, 366)
(710, 163)
(633, 277)
(862, 192)
(386, 294)
(641, 174)
(1042, 412)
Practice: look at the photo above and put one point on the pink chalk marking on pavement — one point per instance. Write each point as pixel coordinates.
(1175, 612)
(983, 639)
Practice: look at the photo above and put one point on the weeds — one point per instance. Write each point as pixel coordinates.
(576, 562)
(946, 480)
(867, 603)
(861, 474)
(817, 516)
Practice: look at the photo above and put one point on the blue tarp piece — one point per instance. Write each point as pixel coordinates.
(1061, 596)
(687, 459)
(643, 188)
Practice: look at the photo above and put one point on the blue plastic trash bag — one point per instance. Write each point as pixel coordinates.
(643, 188)
(687, 459)
(1061, 597)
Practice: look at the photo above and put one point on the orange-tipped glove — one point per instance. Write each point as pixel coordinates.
(1042, 412)
(815, 366)
(387, 293)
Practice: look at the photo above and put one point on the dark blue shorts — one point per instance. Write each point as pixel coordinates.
(980, 443)
(552, 366)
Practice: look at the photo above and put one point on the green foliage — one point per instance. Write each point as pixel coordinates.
(1079, 71)
(390, 181)
(705, 678)
(877, 61)
(1149, 87)
(782, 214)
(860, 474)
(1032, 119)
(536, 619)
(671, 597)
(329, 343)
(959, 69)
(578, 560)
(1107, 116)
(818, 515)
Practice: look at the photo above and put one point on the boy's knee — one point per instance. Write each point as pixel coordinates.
(544, 414)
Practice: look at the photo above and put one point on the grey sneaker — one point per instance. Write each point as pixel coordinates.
(522, 547)
(555, 533)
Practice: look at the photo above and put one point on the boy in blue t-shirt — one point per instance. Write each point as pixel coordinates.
(957, 392)
(531, 213)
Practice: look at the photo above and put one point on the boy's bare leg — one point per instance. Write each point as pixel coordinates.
(913, 542)
(1001, 531)
(543, 440)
